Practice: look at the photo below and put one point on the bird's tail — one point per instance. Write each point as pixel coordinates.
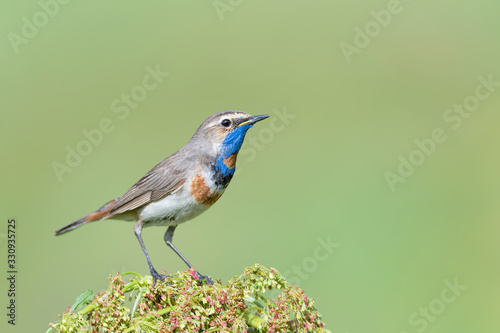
(97, 215)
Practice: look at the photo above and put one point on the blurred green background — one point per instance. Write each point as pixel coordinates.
(316, 174)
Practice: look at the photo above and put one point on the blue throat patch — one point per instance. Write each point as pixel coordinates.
(231, 145)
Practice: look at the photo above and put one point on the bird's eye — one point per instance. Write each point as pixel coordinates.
(226, 122)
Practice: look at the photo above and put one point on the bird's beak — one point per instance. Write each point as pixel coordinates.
(254, 119)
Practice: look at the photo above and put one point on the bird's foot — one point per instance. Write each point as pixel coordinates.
(204, 278)
(157, 276)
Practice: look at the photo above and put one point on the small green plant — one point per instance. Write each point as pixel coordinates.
(183, 304)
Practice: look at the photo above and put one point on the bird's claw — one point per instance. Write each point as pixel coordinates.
(204, 278)
(157, 276)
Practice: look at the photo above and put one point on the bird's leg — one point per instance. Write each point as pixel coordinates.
(169, 234)
(137, 230)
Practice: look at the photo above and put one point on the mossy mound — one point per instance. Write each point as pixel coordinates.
(183, 304)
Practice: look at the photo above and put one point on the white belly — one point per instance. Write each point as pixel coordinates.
(175, 208)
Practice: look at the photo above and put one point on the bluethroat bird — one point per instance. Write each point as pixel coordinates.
(183, 185)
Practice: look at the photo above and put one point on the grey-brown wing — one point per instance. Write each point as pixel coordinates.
(165, 178)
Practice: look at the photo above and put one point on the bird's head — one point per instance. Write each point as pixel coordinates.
(225, 132)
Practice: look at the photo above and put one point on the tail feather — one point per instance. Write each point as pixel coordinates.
(72, 225)
(97, 215)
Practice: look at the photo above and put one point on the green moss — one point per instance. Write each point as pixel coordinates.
(183, 304)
